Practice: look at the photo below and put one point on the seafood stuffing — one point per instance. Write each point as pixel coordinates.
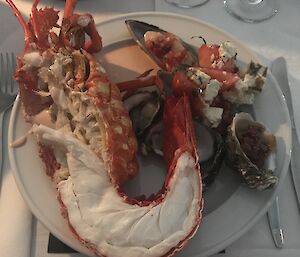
(217, 87)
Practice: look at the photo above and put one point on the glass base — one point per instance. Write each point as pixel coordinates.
(251, 10)
(187, 3)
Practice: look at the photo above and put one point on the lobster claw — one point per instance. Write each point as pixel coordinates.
(75, 27)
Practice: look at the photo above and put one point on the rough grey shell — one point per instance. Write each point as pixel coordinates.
(254, 177)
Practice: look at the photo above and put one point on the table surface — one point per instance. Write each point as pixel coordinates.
(279, 36)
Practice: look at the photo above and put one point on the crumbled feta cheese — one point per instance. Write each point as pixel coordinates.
(227, 51)
(212, 90)
(213, 115)
(198, 76)
(218, 64)
(243, 92)
(177, 47)
(249, 81)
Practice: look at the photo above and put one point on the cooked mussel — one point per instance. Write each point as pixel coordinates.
(143, 106)
(249, 146)
(153, 138)
(210, 146)
(165, 48)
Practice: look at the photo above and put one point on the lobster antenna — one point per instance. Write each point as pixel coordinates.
(69, 8)
(20, 18)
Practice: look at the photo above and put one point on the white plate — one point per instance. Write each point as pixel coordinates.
(231, 209)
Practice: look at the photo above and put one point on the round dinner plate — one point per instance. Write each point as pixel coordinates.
(230, 207)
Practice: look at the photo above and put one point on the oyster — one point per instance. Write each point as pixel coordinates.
(249, 146)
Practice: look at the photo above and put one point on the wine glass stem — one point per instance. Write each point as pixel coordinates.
(254, 2)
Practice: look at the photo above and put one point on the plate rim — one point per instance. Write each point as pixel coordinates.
(34, 208)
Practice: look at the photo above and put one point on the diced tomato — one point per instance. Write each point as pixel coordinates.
(181, 84)
(207, 55)
(230, 66)
(228, 79)
(173, 59)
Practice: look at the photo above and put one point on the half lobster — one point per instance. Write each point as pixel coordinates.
(89, 148)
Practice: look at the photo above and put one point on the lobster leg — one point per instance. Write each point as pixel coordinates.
(179, 135)
(69, 8)
(135, 84)
(28, 37)
(95, 44)
(34, 13)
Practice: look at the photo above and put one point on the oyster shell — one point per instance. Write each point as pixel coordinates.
(249, 146)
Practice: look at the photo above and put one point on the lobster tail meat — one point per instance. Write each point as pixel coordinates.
(92, 203)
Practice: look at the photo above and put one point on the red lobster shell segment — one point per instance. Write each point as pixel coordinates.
(75, 26)
(120, 142)
(178, 129)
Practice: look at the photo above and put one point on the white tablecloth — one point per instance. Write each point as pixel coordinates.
(279, 36)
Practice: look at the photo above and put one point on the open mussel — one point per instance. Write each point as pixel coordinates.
(249, 147)
(165, 48)
(210, 147)
(153, 138)
(143, 106)
(209, 144)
